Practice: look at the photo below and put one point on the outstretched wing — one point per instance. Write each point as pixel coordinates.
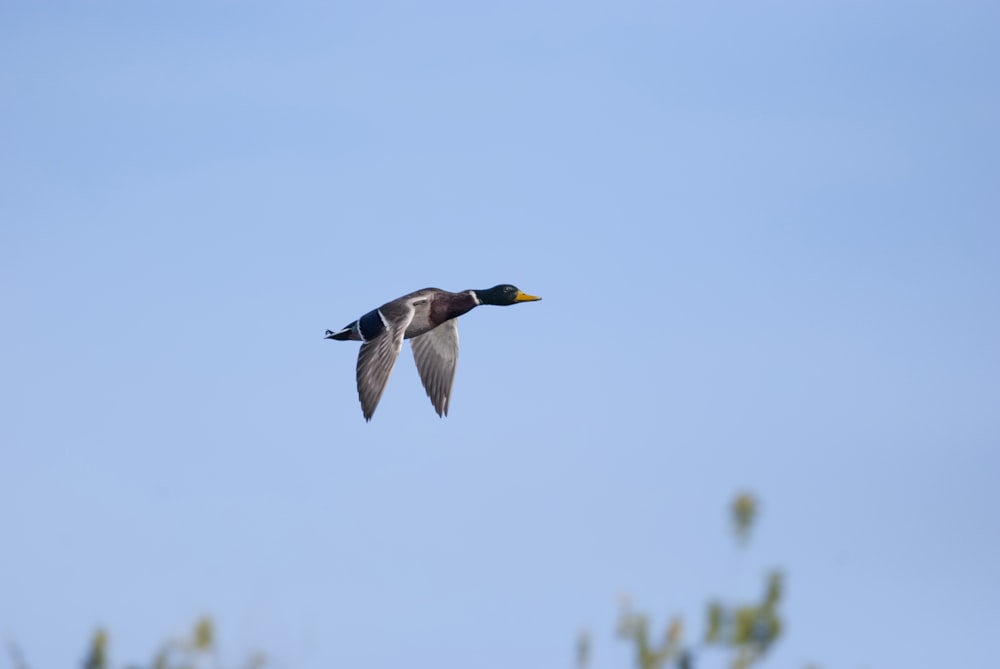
(436, 354)
(378, 355)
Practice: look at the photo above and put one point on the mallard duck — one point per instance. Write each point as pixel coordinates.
(429, 319)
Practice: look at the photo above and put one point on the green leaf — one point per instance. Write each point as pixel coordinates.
(204, 636)
(98, 656)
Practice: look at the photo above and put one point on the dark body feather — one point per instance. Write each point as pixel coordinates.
(445, 306)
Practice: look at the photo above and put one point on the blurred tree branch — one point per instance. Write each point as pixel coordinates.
(745, 631)
(197, 651)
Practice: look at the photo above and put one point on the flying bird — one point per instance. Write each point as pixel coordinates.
(429, 319)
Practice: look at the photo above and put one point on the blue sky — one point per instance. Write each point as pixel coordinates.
(766, 238)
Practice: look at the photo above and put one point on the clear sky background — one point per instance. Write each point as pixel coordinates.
(767, 236)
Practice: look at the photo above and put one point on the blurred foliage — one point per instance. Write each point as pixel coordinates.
(749, 630)
(97, 658)
(198, 651)
(744, 513)
(649, 655)
(583, 650)
(745, 632)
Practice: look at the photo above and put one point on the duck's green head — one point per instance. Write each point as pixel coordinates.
(503, 295)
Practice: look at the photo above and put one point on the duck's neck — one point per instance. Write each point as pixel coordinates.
(487, 296)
